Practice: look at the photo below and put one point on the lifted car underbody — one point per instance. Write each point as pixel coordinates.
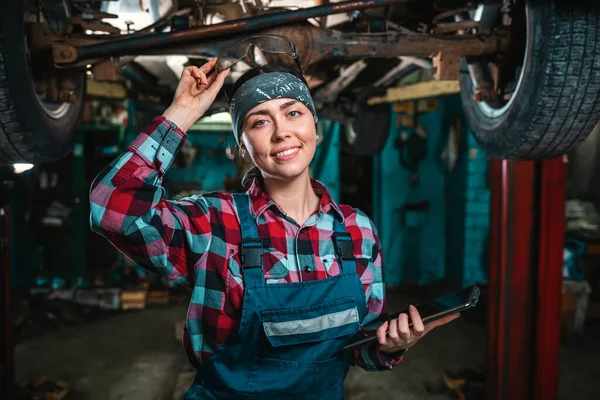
(444, 42)
(349, 51)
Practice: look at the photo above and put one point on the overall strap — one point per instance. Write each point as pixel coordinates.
(343, 247)
(251, 247)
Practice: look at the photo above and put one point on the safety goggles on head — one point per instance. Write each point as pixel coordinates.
(255, 46)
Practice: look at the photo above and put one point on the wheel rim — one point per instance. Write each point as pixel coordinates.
(54, 110)
(501, 107)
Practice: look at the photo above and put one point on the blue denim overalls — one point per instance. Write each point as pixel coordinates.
(290, 338)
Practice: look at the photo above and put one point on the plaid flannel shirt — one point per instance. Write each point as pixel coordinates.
(195, 242)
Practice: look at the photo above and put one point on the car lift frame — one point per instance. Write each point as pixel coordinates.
(525, 279)
(7, 384)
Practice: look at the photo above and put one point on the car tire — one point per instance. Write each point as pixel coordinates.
(556, 103)
(31, 130)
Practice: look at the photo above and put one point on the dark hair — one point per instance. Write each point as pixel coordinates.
(254, 171)
(250, 175)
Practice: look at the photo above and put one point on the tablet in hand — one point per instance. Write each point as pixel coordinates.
(432, 310)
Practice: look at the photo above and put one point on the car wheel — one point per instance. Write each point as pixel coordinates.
(37, 123)
(545, 101)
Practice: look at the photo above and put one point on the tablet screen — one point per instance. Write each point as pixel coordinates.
(445, 303)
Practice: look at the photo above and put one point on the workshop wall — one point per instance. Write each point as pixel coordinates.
(431, 201)
(202, 163)
(325, 166)
(474, 237)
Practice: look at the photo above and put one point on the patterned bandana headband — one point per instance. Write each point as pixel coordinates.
(265, 87)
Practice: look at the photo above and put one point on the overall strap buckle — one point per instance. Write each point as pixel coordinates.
(252, 253)
(343, 245)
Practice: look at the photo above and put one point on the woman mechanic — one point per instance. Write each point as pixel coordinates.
(282, 276)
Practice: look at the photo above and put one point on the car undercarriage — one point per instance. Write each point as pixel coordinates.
(528, 70)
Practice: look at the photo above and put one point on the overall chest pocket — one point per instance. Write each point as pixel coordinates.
(319, 331)
(303, 354)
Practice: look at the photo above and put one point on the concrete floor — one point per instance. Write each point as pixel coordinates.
(135, 356)
(127, 356)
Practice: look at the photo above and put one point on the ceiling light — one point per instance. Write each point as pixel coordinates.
(22, 167)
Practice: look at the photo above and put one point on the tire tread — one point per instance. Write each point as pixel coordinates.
(569, 103)
(16, 144)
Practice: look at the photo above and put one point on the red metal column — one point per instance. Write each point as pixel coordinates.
(6, 358)
(526, 242)
(553, 192)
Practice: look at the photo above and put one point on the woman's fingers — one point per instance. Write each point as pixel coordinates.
(201, 76)
(403, 332)
(203, 82)
(196, 74)
(398, 331)
(196, 92)
(217, 83)
(393, 335)
(382, 333)
(404, 328)
(207, 95)
(207, 66)
(210, 80)
(417, 322)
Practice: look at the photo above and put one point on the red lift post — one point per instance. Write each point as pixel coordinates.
(6, 352)
(526, 258)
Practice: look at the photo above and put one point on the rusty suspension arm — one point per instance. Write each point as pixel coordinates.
(65, 53)
(349, 46)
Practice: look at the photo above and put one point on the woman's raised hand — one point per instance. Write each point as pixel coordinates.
(194, 94)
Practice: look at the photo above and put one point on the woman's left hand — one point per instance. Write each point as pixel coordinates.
(397, 334)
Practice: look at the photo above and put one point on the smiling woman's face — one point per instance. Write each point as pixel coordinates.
(280, 136)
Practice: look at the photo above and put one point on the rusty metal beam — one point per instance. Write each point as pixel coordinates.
(352, 46)
(316, 44)
(67, 54)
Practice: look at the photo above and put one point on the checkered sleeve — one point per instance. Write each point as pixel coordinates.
(369, 357)
(129, 208)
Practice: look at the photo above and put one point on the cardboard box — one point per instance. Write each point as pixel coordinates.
(133, 299)
(158, 297)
